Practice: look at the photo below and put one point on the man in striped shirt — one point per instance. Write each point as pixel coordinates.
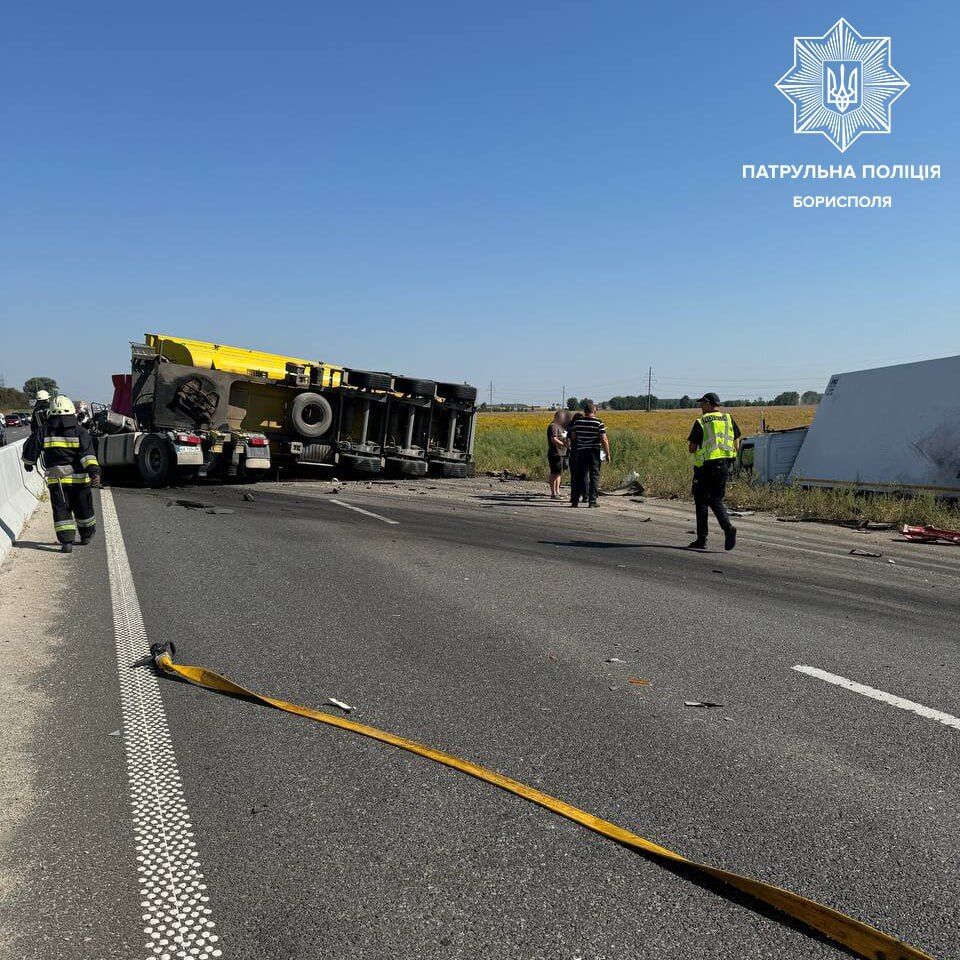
(587, 436)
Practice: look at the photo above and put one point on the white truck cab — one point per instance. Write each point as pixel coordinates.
(769, 457)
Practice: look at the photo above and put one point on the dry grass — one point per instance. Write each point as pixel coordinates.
(654, 444)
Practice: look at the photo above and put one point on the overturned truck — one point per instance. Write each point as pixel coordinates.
(191, 409)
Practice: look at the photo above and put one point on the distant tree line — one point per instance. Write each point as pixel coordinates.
(13, 399)
(789, 398)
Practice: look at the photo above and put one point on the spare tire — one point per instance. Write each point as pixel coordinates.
(370, 380)
(457, 391)
(311, 415)
(415, 387)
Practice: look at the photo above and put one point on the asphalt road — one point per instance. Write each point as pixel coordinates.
(16, 433)
(485, 628)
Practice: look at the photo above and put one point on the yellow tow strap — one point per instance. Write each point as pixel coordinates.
(859, 937)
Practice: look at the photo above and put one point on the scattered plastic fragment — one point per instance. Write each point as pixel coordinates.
(339, 703)
(614, 660)
(701, 703)
(930, 534)
(219, 510)
(638, 681)
(856, 552)
(114, 733)
(249, 497)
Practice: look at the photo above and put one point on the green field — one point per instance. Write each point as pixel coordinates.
(654, 445)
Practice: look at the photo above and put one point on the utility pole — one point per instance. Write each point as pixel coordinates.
(649, 386)
(563, 397)
(491, 393)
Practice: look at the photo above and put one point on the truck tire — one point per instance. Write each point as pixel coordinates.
(414, 387)
(370, 380)
(311, 415)
(155, 461)
(406, 467)
(449, 468)
(352, 461)
(457, 391)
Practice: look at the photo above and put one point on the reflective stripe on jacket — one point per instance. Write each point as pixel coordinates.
(718, 441)
(67, 450)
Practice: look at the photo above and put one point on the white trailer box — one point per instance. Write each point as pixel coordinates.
(892, 428)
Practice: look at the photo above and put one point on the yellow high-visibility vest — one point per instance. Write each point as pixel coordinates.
(718, 441)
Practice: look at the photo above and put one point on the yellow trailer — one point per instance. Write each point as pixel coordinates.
(291, 371)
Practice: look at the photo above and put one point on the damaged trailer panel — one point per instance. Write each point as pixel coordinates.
(885, 430)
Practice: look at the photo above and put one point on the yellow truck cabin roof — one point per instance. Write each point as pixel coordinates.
(220, 356)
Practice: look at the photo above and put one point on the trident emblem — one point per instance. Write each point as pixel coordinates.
(840, 94)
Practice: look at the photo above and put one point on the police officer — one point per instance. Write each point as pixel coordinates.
(72, 469)
(713, 443)
(40, 408)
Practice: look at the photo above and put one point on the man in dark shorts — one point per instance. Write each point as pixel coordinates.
(713, 443)
(588, 436)
(557, 450)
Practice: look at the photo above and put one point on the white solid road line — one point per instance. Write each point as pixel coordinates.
(918, 708)
(173, 894)
(366, 513)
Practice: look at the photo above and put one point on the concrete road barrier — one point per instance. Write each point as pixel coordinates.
(20, 492)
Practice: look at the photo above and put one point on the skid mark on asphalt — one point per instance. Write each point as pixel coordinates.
(366, 513)
(172, 890)
(889, 698)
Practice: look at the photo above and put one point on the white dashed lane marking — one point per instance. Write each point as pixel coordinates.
(173, 895)
(366, 513)
(889, 698)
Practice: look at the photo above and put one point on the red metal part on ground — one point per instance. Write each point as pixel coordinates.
(931, 534)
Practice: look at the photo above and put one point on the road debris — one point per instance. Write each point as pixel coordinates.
(701, 703)
(857, 552)
(114, 733)
(638, 681)
(614, 660)
(345, 707)
(219, 510)
(190, 504)
(631, 485)
(930, 534)
(249, 497)
(741, 513)
(504, 475)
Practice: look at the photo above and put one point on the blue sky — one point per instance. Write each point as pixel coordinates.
(538, 194)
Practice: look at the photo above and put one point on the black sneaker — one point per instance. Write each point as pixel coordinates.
(66, 548)
(730, 538)
(697, 545)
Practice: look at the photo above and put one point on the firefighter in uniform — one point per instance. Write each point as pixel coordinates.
(713, 443)
(72, 469)
(40, 408)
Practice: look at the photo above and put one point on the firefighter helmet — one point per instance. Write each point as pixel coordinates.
(62, 407)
